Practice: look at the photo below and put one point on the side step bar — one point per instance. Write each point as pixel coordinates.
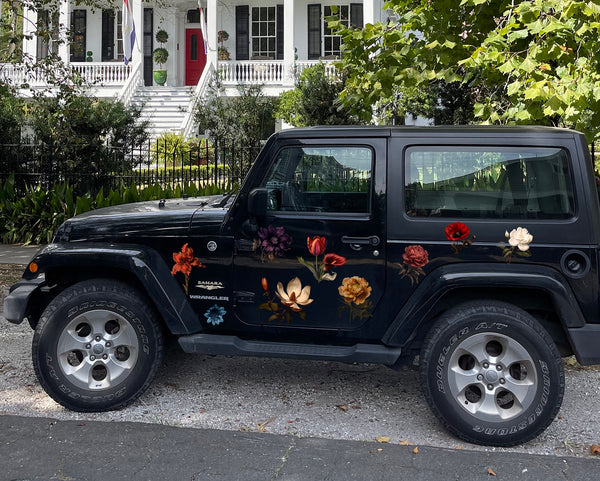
(234, 346)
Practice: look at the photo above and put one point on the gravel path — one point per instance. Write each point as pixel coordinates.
(302, 398)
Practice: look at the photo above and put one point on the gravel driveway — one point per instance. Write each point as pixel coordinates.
(301, 398)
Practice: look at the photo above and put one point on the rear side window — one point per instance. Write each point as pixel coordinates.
(495, 182)
(321, 179)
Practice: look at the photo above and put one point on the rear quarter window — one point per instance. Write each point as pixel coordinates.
(488, 182)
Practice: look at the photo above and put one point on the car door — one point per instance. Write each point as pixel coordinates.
(317, 259)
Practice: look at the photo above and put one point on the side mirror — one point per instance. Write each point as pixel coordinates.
(257, 202)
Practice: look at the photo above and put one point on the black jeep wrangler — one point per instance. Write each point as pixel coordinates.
(473, 250)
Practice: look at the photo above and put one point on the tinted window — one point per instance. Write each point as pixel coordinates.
(321, 179)
(516, 183)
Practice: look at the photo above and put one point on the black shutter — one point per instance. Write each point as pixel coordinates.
(356, 15)
(78, 32)
(279, 32)
(242, 32)
(108, 35)
(314, 31)
(148, 30)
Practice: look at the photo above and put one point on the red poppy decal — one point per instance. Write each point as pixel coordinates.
(457, 231)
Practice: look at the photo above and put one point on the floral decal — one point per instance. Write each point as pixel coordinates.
(321, 270)
(355, 291)
(415, 258)
(293, 298)
(273, 242)
(215, 315)
(184, 261)
(458, 233)
(518, 243)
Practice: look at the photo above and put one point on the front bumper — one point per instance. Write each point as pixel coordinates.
(15, 304)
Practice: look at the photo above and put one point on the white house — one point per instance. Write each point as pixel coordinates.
(269, 41)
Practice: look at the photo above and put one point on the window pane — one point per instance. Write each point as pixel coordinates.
(321, 179)
(512, 183)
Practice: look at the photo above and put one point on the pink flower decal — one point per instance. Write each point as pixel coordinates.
(415, 258)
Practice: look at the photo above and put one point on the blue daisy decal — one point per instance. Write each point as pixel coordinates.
(215, 315)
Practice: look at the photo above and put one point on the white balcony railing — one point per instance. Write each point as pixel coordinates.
(103, 73)
(99, 73)
(330, 69)
(234, 72)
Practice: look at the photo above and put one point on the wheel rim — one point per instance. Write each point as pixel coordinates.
(98, 349)
(492, 376)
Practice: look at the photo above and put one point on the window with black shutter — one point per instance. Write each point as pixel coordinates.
(242, 33)
(314, 31)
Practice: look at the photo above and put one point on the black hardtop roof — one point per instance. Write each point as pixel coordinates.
(412, 131)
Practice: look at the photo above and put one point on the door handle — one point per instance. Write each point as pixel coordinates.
(371, 240)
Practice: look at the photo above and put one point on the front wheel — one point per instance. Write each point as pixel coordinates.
(97, 346)
(492, 374)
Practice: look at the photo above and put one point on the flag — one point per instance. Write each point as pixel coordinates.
(128, 32)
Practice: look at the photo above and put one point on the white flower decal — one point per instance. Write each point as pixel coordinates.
(520, 238)
(518, 243)
(295, 296)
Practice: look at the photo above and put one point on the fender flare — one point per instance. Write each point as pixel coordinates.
(450, 277)
(143, 262)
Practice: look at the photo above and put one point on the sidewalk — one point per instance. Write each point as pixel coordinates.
(44, 449)
(16, 254)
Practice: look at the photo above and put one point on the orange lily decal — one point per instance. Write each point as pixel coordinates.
(184, 261)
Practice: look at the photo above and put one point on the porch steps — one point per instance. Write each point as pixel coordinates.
(163, 107)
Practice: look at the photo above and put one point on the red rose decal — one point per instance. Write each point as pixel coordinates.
(457, 231)
(333, 260)
(316, 245)
(415, 256)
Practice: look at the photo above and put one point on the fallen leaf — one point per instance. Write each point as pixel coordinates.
(595, 449)
(404, 442)
(342, 407)
(490, 472)
(355, 407)
(458, 447)
(416, 450)
(262, 427)
(382, 439)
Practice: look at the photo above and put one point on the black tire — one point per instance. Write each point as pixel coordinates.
(492, 374)
(97, 346)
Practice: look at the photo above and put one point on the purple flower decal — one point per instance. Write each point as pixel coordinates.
(273, 242)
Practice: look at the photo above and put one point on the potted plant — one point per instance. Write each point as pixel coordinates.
(160, 56)
(223, 52)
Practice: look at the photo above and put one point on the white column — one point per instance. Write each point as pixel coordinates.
(369, 11)
(64, 25)
(138, 20)
(211, 32)
(289, 51)
(30, 19)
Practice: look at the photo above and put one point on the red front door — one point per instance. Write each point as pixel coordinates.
(195, 56)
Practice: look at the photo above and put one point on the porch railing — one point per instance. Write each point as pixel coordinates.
(103, 73)
(131, 85)
(235, 72)
(330, 69)
(187, 126)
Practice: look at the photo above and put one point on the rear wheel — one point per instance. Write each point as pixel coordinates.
(97, 346)
(492, 374)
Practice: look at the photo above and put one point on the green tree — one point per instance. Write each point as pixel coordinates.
(242, 120)
(11, 115)
(520, 61)
(315, 100)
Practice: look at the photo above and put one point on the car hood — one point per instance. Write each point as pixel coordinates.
(171, 217)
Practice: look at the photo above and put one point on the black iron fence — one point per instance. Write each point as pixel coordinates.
(89, 168)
